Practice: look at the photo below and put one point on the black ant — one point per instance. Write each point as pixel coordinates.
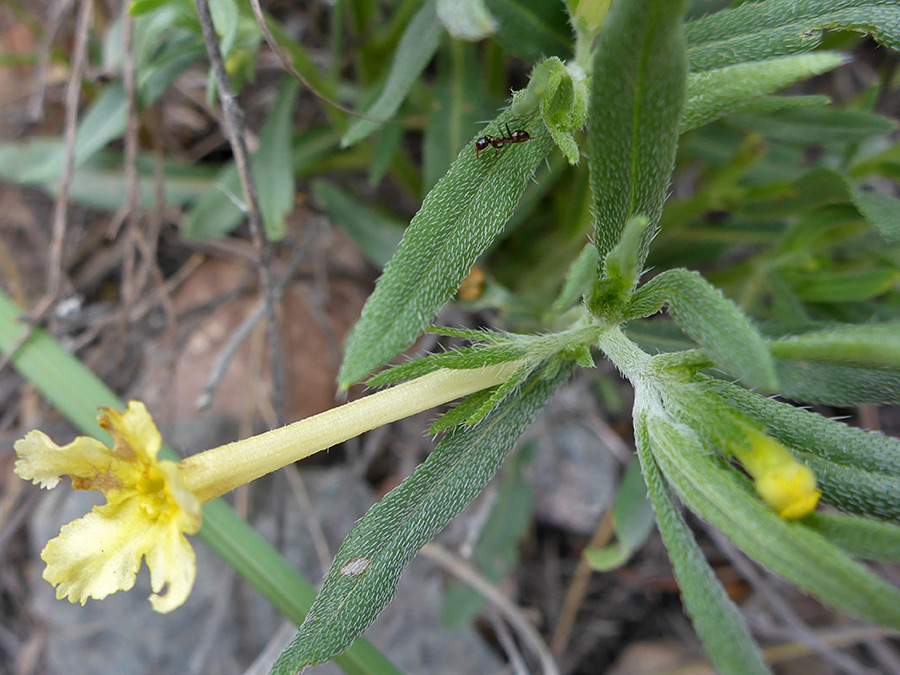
(512, 136)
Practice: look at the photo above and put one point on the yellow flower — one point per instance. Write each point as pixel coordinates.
(785, 484)
(147, 513)
(152, 504)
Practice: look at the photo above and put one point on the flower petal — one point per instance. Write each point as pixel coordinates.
(101, 554)
(43, 461)
(173, 567)
(98, 554)
(134, 432)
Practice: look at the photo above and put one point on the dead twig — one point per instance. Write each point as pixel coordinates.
(234, 128)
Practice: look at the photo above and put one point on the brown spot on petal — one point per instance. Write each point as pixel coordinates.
(355, 566)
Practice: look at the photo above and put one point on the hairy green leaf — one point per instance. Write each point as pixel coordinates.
(874, 344)
(720, 328)
(760, 30)
(581, 274)
(637, 92)
(714, 93)
(723, 498)
(496, 551)
(862, 537)
(622, 269)
(464, 212)
(416, 48)
(461, 412)
(835, 384)
(365, 572)
(718, 622)
(813, 434)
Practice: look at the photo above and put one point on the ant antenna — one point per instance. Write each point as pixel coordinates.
(286, 62)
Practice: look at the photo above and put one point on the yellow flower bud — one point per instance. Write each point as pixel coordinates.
(784, 483)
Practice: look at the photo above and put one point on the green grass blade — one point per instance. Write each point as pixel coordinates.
(272, 162)
(77, 393)
(458, 103)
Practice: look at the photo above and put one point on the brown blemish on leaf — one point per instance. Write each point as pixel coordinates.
(355, 566)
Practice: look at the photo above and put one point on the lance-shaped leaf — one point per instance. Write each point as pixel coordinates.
(497, 549)
(718, 622)
(272, 162)
(720, 328)
(760, 30)
(862, 537)
(464, 212)
(365, 572)
(638, 88)
(417, 46)
(811, 433)
(841, 365)
(725, 499)
(714, 93)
